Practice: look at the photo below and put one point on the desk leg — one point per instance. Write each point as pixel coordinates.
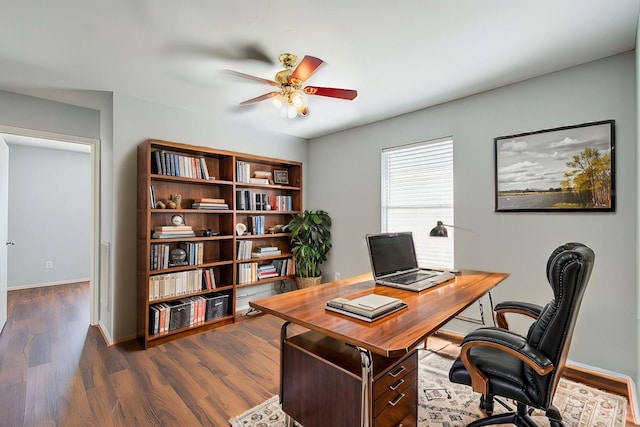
(283, 338)
(365, 401)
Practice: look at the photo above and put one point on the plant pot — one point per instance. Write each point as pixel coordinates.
(307, 282)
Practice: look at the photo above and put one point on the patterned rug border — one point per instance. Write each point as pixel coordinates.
(265, 408)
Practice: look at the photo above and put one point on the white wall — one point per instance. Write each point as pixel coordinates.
(105, 264)
(39, 114)
(637, 257)
(49, 216)
(518, 243)
(135, 121)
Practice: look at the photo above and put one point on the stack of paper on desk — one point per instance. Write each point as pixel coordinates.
(368, 307)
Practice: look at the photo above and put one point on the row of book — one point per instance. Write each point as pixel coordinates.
(167, 316)
(285, 267)
(243, 174)
(165, 163)
(244, 249)
(152, 197)
(181, 283)
(280, 203)
(195, 252)
(161, 259)
(249, 272)
(256, 224)
(243, 171)
(248, 200)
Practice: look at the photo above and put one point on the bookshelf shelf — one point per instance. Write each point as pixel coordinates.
(204, 177)
(262, 236)
(259, 282)
(176, 333)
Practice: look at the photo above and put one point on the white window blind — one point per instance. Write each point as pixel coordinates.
(417, 192)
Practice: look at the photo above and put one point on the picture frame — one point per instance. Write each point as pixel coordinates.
(564, 169)
(281, 176)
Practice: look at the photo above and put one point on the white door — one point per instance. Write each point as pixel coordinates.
(4, 228)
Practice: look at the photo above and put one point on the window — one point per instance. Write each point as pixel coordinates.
(417, 192)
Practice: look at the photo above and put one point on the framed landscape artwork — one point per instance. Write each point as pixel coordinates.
(569, 168)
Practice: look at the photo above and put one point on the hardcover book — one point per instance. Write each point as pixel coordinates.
(369, 307)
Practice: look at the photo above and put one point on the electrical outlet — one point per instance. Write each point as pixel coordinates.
(48, 264)
(337, 276)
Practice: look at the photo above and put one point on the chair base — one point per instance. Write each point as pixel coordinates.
(519, 418)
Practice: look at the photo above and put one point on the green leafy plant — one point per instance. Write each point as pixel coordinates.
(310, 235)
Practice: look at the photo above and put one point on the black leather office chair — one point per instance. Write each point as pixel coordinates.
(497, 362)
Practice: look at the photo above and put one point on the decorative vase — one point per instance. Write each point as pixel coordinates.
(307, 282)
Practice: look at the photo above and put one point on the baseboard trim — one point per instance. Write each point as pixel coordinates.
(41, 285)
(105, 334)
(612, 383)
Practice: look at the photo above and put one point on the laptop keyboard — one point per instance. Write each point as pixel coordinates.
(408, 278)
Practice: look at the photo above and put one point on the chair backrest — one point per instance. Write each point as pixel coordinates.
(568, 271)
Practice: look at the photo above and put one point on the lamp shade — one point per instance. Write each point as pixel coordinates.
(439, 230)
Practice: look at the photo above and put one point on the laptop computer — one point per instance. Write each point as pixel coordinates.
(394, 263)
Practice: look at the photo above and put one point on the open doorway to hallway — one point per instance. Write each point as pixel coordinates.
(50, 213)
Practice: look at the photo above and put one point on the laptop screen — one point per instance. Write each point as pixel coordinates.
(391, 252)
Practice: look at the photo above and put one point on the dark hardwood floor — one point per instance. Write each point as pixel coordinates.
(55, 370)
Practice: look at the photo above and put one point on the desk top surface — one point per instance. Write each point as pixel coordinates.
(391, 335)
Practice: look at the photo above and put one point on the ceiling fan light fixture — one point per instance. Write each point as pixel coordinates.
(292, 111)
(278, 101)
(297, 99)
(291, 99)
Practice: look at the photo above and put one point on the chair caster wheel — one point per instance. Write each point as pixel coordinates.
(486, 405)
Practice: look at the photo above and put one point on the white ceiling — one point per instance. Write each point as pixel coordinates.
(400, 55)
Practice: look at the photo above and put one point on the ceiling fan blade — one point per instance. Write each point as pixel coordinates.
(305, 69)
(249, 76)
(260, 98)
(331, 92)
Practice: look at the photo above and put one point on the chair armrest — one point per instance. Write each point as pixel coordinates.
(503, 340)
(524, 308)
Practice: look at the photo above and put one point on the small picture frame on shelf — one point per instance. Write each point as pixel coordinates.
(281, 176)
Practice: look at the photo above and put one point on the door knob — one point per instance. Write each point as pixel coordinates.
(11, 242)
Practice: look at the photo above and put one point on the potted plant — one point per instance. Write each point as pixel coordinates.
(310, 235)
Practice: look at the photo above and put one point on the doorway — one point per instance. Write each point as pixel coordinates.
(56, 146)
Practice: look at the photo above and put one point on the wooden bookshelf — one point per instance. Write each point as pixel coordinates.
(170, 168)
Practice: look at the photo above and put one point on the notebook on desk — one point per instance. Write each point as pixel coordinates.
(394, 263)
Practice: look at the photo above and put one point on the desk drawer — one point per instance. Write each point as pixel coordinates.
(403, 369)
(398, 410)
(410, 420)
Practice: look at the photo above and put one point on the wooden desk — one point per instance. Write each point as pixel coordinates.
(312, 395)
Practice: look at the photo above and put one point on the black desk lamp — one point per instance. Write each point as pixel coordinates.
(439, 230)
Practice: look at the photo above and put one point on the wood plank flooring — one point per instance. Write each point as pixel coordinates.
(55, 370)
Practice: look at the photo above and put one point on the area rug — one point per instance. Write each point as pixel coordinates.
(444, 404)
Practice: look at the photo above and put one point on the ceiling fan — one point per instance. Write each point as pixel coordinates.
(290, 93)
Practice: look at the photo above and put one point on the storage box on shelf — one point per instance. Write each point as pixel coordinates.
(190, 200)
